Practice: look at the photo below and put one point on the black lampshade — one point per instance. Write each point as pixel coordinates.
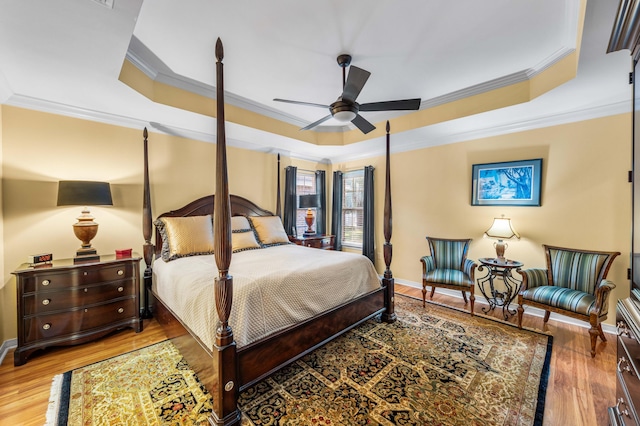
(308, 201)
(84, 193)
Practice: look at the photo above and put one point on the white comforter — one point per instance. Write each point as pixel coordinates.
(273, 288)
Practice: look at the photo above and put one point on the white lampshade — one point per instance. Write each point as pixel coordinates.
(501, 229)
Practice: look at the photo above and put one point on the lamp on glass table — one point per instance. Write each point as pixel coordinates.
(309, 202)
(84, 193)
(501, 230)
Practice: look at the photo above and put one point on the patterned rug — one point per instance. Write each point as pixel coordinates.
(435, 366)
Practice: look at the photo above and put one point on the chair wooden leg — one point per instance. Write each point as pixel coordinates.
(520, 314)
(472, 298)
(464, 296)
(424, 295)
(546, 316)
(433, 290)
(602, 336)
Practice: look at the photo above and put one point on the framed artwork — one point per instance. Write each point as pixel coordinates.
(512, 183)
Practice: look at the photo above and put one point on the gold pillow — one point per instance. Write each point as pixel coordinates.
(243, 240)
(185, 236)
(269, 229)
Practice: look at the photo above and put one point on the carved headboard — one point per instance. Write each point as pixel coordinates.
(202, 206)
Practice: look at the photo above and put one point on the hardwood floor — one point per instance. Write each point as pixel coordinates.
(580, 387)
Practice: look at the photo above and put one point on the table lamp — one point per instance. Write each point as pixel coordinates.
(84, 193)
(309, 202)
(501, 230)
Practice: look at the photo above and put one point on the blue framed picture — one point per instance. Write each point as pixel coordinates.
(512, 183)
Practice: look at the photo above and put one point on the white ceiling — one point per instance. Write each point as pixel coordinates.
(65, 56)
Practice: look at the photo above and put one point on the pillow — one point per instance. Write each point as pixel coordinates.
(242, 235)
(269, 230)
(185, 236)
(243, 240)
(239, 223)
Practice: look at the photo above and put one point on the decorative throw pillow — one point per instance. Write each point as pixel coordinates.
(269, 230)
(242, 235)
(239, 223)
(185, 236)
(243, 240)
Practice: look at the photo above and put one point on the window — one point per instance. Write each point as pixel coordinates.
(305, 185)
(352, 208)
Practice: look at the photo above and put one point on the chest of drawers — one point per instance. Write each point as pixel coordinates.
(626, 410)
(67, 304)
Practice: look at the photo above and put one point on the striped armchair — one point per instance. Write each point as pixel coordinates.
(448, 267)
(573, 284)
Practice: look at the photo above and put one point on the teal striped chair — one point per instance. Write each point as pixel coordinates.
(573, 284)
(448, 267)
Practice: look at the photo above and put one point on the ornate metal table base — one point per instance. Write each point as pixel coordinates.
(499, 269)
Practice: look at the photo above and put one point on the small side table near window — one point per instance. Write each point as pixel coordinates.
(324, 242)
(499, 269)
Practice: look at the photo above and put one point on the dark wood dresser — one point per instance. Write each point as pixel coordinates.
(63, 303)
(625, 412)
(324, 242)
(624, 35)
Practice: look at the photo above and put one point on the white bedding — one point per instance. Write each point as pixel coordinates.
(273, 288)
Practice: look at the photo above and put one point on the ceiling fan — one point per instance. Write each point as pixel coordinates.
(346, 109)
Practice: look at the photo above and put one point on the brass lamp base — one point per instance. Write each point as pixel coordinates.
(500, 247)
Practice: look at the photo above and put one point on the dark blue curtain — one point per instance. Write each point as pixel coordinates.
(336, 210)
(368, 246)
(290, 201)
(321, 211)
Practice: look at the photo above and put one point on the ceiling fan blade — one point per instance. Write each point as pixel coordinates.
(301, 103)
(362, 124)
(355, 82)
(400, 105)
(315, 123)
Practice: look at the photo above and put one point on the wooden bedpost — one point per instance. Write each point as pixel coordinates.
(225, 392)
(389, 314)
(146, 229)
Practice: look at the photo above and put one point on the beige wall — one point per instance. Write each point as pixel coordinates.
(585, 196)
(586, 199)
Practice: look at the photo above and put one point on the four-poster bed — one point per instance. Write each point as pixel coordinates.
(228, 364)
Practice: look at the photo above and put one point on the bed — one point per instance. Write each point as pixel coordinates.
(223, 338)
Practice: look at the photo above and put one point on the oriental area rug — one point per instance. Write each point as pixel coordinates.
(434, 366)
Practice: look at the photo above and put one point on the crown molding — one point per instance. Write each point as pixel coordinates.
(362, 150)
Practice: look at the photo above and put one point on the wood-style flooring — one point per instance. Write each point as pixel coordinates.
(580, 387)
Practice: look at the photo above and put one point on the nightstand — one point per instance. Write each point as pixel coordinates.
(324, 242)
(63, 303)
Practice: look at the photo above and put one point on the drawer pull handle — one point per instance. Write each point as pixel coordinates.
(46, 326)
(120, 310)
(120, 272)
(621, 369)
(85, 273)
(46, 301)
(86, 290)
(46, 282)
(120, 289)
(623, 412)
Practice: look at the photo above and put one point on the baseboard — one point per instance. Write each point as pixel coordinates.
(607, 328)
(6, 346)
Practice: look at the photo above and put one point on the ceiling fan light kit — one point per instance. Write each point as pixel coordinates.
(346, 109)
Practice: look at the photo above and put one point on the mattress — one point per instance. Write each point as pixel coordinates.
(273, 288)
